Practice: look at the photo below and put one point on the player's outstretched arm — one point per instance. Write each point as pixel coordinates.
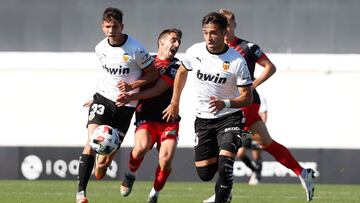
(172, 111)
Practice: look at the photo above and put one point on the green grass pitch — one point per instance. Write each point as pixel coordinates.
(55, 191)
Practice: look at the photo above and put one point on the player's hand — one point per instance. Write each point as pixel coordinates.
(88, 103)
(171, 113)
(123, 86)
(122, 99)
(216, 105)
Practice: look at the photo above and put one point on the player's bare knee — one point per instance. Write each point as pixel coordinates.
(139, 151)
(164, 159)
(165, 163)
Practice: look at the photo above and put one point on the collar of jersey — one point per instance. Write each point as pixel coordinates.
(119, 45)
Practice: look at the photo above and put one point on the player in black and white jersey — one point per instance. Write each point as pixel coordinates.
(125, 67)
(254, 55)
(222, 85)
(151, 128)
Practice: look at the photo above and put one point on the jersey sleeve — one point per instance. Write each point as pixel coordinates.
(143, 58)
(187, 59)
(100, 58)
(243, 77)
(256, 51)
(169, 75)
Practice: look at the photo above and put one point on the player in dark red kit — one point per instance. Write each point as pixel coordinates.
(253, 54)
(150, 127)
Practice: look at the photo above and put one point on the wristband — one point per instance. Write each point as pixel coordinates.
(227, 103)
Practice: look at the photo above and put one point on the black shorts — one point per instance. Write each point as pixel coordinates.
(213, 133)
(103, 111)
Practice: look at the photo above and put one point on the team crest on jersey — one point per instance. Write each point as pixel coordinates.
(126, 57)
(226, 65)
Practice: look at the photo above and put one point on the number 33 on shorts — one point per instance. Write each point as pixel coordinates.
(96, 109)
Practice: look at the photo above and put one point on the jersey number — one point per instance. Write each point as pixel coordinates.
(98, 109)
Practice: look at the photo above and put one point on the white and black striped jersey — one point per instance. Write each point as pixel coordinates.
(124, 62)
(217, 75)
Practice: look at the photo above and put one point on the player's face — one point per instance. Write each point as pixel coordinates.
(169, 45)
(230, 30)
(214, 37)
(113, 30)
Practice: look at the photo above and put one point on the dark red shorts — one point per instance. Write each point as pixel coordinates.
(251, 114)
(160, 131)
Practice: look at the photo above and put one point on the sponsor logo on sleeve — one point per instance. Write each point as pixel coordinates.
(146, 58)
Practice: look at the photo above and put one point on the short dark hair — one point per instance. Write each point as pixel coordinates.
(215, 18)
(178, 32)
(113, 13)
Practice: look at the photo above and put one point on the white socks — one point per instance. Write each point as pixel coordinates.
(153, 192)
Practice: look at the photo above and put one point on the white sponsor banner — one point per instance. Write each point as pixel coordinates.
(32, 167)
(312, 100)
